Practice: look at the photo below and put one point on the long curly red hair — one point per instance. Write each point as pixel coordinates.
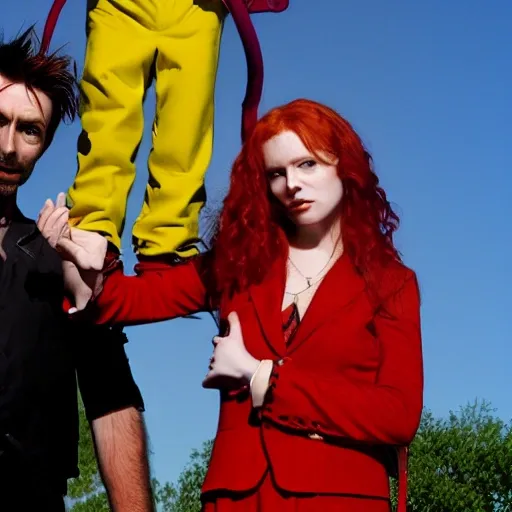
(250, 235)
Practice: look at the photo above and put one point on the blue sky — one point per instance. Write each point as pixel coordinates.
(428, 85)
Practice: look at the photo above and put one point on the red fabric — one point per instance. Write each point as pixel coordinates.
(352, 375)
(290, 322)
(66, 304)
(149, 296)
(375, 412)
(267, 498)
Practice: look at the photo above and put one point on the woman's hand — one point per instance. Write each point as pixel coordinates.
(230, 360)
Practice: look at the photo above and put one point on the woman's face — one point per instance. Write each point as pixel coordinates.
(309, 190)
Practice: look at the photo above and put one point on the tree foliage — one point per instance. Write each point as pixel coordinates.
(184, 496)
(86, 493)
(462, 463)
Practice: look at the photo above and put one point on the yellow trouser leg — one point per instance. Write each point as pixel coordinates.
(186, 67)
(120, 51)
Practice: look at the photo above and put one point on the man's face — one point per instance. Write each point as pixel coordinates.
(24, 119)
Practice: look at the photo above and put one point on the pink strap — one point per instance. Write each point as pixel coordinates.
(49, 26)
(243, 23)
(254, 88)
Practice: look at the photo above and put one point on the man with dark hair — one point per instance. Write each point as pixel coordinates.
(42, 353)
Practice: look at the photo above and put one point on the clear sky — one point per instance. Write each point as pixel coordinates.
(428, 85)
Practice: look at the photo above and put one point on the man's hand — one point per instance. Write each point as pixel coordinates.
(52, 220)
(83, 285)
(87, 250)
(83, 253)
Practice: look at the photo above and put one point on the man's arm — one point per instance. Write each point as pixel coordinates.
(114, 406)
(120, 441)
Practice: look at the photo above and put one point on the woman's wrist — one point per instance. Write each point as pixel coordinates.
(260, 382)
(252, 367)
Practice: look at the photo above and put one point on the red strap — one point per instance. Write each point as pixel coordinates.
(254, 89)
(255, 6)
(49, 26)
(252, 49)
(403, 453)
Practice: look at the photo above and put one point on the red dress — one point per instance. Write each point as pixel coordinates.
(267, 497)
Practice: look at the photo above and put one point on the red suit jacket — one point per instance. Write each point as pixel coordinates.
(352, 374)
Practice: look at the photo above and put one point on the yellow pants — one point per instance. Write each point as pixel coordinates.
(129, 43)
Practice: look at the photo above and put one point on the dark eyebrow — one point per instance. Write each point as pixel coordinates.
(273, 169)
(36, 121)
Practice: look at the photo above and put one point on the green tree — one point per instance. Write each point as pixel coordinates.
(184, 496)
(462, 463)
(86, 493)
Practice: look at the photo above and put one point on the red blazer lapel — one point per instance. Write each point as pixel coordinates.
(267, 299)
(341, 285)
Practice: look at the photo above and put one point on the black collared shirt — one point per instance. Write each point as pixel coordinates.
(42, 353)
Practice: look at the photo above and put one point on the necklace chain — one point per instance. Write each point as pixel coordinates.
(296, 294)
(310, 280)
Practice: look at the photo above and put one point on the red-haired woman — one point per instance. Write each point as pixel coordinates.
(320, 368)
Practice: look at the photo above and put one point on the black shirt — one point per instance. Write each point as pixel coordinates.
(42, 353)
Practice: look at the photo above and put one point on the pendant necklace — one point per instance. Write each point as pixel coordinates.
(296, 294)
(310, 279)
